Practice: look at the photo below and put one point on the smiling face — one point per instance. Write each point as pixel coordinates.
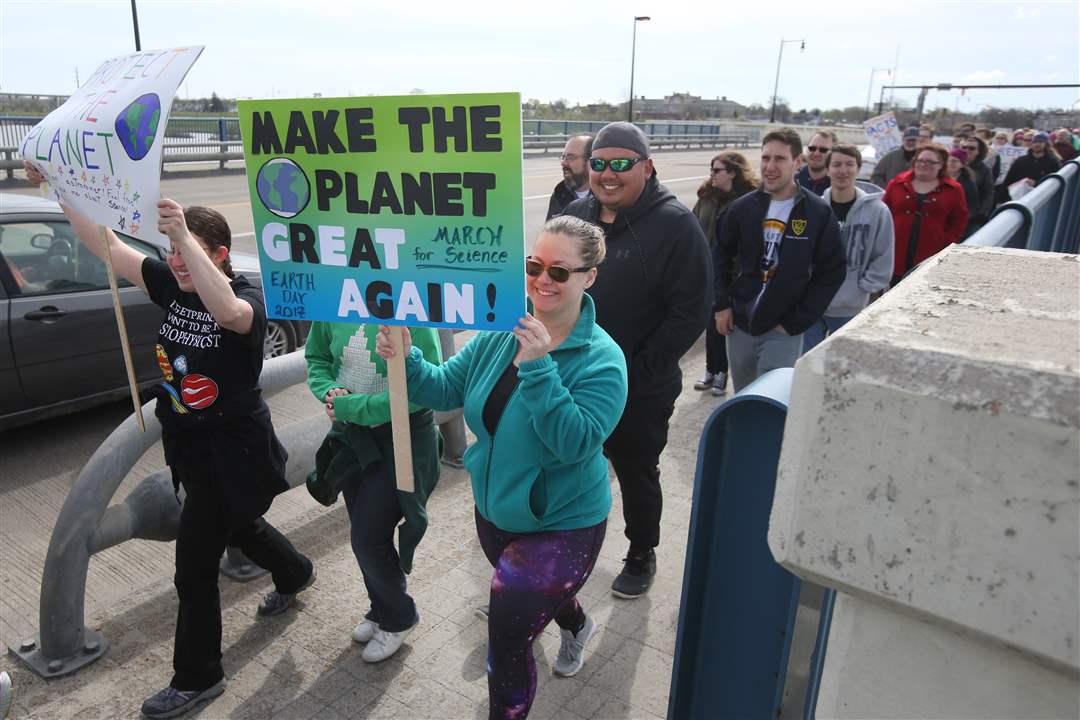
(550, 297)
(777, 166)
(927, 166)
(819, 147)
(179, 266)
(843, 169)
(618, 191)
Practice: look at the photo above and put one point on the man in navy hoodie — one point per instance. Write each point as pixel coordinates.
(791, 263)
(652, 295)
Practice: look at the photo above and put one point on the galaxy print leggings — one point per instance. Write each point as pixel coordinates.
(536, 578)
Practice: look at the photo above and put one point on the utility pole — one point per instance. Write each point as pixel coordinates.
(776, 85)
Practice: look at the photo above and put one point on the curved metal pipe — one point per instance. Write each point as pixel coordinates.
(87, 524)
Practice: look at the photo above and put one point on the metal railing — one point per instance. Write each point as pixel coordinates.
(217, 139)
(1047, 218)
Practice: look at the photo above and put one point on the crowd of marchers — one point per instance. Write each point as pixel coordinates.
(621, 281)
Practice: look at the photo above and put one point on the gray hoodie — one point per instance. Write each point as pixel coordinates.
(868, 245)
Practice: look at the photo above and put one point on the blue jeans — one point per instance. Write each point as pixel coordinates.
(823, 326)
(374, 512)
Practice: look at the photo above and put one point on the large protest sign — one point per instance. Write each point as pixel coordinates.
(396, 210)
(883, 132)
(101, 150)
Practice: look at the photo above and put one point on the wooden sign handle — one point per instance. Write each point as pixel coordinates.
(399, 414)
(122, 326)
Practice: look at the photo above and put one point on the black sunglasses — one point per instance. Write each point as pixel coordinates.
(534, 268)
(970, 147)
(815, 148)
(616, 164)
(713, 171)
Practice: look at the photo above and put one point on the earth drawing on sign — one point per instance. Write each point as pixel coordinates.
(283, 187)
(137, 124)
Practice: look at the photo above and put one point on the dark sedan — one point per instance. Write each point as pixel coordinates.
(59, 346)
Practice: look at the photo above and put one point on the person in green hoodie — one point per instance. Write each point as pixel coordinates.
(541, 401)
(357, 460)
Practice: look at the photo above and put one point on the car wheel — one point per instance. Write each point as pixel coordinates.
(280, 339)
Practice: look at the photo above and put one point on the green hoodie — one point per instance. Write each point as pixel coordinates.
(544, 468)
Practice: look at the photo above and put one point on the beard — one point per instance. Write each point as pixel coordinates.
(576, 182)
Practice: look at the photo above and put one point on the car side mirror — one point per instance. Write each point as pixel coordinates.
(41, 241)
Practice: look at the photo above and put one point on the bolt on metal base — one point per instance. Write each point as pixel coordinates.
(236, 566)
(29, 651)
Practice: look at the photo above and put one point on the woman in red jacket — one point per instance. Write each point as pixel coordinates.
(929, 210)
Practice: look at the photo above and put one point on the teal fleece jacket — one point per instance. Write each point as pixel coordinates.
(544, 468)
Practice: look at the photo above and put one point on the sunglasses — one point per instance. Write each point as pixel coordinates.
(816, 148)
(927, 162)
(973, 148)
(616, 164)
(713, 171)
(534, 268)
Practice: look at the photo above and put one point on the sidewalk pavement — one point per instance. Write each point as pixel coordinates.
(303, 663)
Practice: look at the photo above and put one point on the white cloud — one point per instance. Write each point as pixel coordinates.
(982, 76)
(1025, 13)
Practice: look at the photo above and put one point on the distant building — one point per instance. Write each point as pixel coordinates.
(1051, 120)
(684, 106)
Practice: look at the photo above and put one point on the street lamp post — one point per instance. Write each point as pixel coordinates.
(633, 51)
(870, 89)
(776, 85)
(135, 22)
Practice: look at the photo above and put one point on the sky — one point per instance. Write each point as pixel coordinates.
(580, 52)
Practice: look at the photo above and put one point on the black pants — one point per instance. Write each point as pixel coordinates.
(634, 451)
(205, 530)
(374, 512)
(715, 350)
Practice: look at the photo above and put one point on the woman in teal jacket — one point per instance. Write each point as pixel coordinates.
(541, 401)
(357, 459)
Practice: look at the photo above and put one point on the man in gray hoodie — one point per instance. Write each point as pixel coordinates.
(866, 231)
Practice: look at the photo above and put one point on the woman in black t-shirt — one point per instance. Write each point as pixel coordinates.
(215, 429)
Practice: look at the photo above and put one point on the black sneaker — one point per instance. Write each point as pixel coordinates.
(637, 574)
(275, 603)
(170, 702)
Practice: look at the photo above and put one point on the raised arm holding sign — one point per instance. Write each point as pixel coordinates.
(99, 155)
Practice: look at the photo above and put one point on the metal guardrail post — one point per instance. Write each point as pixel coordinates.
(1066, 236)
(452, 424)
(223, 135)
(87, 524)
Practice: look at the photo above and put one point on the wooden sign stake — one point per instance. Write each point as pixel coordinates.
(399, 414)
(122, 326)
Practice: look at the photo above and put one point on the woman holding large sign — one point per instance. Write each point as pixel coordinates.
(215, 429)
(541, 402)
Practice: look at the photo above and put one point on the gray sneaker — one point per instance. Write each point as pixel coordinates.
(275, 603)
(482, 611)
(170, 702)
(572, 650)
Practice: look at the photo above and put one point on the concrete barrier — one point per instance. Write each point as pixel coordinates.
(929, 473)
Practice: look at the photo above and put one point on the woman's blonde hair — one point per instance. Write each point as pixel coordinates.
(589, 237)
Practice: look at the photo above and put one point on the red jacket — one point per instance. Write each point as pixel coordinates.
(944, 217)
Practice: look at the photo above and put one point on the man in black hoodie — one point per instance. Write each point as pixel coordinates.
(652, 296)
(791, 262)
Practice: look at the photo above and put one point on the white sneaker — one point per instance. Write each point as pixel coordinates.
(384, 644)
(365, 631)
(572, 650)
